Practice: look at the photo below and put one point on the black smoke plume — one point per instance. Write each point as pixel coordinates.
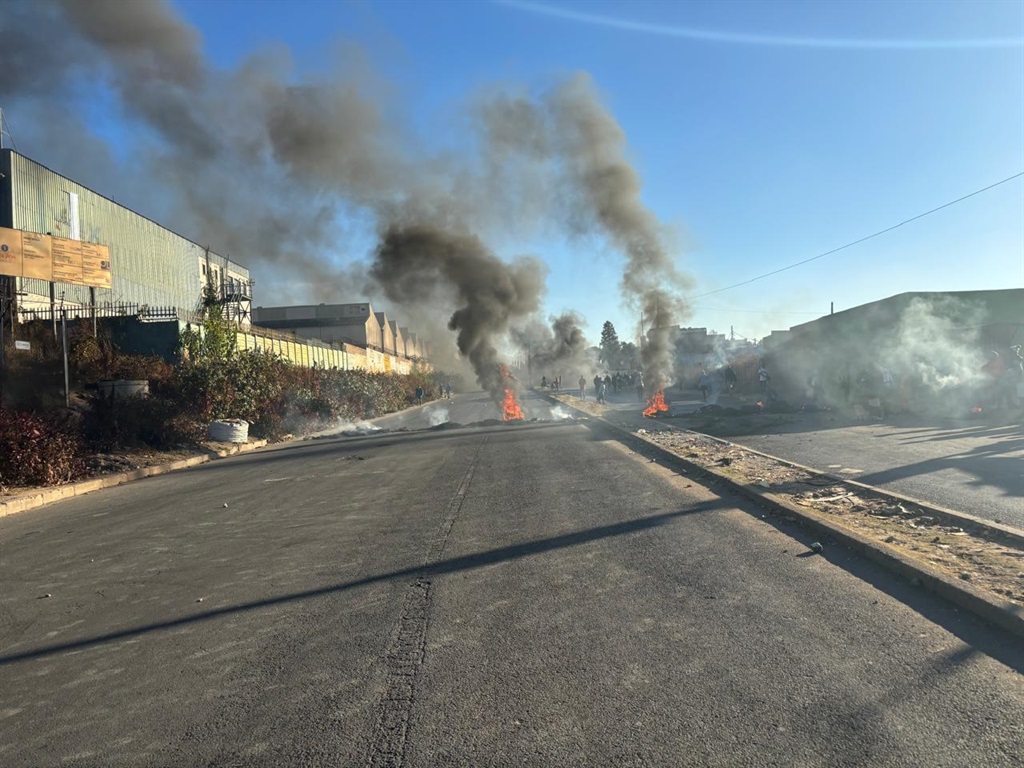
(418, 263)
(560, 344)
(593, 146)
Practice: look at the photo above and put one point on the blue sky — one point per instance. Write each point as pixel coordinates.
(839, 119)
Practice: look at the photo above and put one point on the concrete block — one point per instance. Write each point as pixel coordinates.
(19, 504)
(88, 486)
(111, 481)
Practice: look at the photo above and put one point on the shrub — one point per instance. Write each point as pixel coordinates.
(93, 359)
(124, 422)
(38, 451)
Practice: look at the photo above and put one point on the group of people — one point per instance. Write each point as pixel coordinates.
(612, 383)
(554, 383)
(710, 385)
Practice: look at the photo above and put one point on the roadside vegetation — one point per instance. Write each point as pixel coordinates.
(47, 443)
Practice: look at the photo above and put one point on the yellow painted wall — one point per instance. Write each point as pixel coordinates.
(348, 357)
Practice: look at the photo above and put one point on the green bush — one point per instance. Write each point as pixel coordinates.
(37, 451)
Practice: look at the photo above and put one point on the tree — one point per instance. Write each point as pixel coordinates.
(215, 339)
(609, 343)
(629, 357)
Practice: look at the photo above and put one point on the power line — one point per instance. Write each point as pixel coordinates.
(861, 240)
(758, 311)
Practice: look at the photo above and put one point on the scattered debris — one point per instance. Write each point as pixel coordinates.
(43, 597)
(816, 546)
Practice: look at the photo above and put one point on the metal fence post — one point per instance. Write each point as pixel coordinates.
(64, 344)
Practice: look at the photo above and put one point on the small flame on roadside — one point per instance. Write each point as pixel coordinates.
(656, 404)
(510, 410)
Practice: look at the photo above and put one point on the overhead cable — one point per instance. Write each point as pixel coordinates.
(861, 240)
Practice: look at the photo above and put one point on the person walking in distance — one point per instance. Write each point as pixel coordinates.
(583, 388)
(640, 387)
(762, 382)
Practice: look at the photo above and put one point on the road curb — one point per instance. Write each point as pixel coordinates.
(1002, 613)
(35, 499)
(948, 516)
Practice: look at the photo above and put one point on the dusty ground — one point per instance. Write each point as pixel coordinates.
(977, 554)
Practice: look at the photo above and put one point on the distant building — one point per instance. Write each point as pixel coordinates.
(387, 336)
(352, 323)
(355, 323)
(774, 339)
(991, 317)
(408, 345)
(396, 334)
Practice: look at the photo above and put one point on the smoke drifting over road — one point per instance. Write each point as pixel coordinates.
(562, 344)
(271, 168)
(420, 263)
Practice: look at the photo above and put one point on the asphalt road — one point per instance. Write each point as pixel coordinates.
(972, 466)
(528, 595)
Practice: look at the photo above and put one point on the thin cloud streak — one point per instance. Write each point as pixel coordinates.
(740, 38)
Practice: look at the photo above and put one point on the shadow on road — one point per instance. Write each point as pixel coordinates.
(979, 635)
(1001, 472)
(451, 565)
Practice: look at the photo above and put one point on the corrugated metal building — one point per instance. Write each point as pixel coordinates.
(150, 264)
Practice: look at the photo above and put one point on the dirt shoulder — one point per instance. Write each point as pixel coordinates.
(985, 556)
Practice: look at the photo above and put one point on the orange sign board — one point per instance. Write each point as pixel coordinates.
(96, 265)
(67, 261)
(37, 255)
(54, 259)
(11, 259)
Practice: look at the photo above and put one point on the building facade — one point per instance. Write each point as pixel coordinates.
(150, 266)
(357, 324)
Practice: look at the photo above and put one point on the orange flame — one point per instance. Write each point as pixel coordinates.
(656, 404)
(510, 408)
